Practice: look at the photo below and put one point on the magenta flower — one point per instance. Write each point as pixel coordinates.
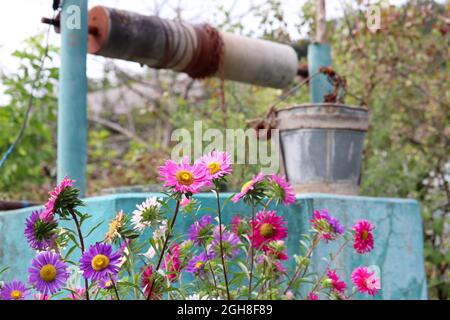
(197, 264)
(276, 265)
(185, 202)
(14, 290)
(366, 281)
(77, 294)
(172, 263)
(363, 239)
(338, 285)
(326, 225)
(40, 296)
(277, 250)
(282, 190)
(147, 279)
(248, 187)
(200, 230)
(313, 296)
(238, 225)
(267, 227)
(184, 178)
(218, 164)
(53, 198)
(99, 262)
(48, 273)
(40, 233)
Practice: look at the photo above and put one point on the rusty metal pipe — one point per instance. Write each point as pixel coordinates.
(198, 50)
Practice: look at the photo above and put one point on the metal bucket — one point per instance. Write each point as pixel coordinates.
(322, 145)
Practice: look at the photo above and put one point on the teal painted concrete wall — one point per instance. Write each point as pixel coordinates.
(398, 236)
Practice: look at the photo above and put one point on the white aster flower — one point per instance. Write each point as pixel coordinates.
(197, 296)
(148, 213)
(150, 253)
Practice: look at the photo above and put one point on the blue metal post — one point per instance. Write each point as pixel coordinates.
(319, 55)
(72, 118)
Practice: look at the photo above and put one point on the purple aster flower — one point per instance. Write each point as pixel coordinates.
(197, 264)
(99, 262)
(14, 290)
(326, 225)
(48, 273)
(200, 229)
(106, 282)
(40, 233)
(230, 243)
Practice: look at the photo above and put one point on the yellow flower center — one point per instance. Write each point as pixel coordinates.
(48, 273)
(214, 167)
(100, 262)
(364, 235)
(108, 283)
(198, 264)
(246, 185)
(16, 294)
(184, 177)
(266, 230)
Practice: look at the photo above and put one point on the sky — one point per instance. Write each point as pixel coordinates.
(22, 17)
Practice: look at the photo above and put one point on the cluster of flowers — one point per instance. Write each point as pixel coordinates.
(220, 257)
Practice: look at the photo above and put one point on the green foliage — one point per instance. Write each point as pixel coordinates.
(32, 162)
(401, 73)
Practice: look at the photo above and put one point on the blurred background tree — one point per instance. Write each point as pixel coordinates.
(401, 72)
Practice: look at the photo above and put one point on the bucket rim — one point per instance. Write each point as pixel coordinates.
(324, 104)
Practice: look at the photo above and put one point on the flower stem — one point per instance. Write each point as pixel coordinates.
(267, 204)
(308, 254)
(329, 263)
(131, 264)
(252, 253)
(219, 213)
(169, 232)
(114, 286)
(80, 236)
(212, 273)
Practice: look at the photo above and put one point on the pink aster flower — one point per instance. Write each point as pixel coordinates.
(277, 250)
(366, 281)
(77, 294)
(147, 279)
(218, 164)
(267, 227)
(290, 295)
(185, 202)
(40, 296)
(183, 177)
(248, 187)
(328, 227)
(283, 191)
(313, 296)
(53, 198)
(172, 263)
(338, 285)
(363, 239)
(235, 224)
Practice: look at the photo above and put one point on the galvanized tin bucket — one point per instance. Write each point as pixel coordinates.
(322, 145)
